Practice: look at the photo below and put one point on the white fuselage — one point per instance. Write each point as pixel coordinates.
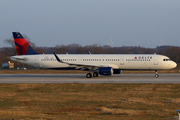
(116, 61)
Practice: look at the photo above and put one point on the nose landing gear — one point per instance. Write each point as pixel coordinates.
(156, 74)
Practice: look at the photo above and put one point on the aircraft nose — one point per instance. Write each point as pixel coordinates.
(175, 64)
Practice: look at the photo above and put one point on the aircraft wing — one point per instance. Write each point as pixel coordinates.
(93, 65)
(86, 65)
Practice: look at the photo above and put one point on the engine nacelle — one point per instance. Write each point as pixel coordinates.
(117, 71)
(105, 70)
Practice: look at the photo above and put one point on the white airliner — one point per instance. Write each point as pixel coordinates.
(95, 64)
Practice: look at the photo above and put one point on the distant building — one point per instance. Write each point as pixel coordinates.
(8, 65)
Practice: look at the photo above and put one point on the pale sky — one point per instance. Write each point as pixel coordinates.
(86, 22)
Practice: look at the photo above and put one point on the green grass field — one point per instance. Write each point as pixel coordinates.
(89, 101)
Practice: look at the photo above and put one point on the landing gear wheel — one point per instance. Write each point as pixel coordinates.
(156, 75)
(95, 74)
(88, 75)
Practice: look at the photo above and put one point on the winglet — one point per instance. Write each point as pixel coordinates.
(88, 52)
(57, 58)
(178, 111)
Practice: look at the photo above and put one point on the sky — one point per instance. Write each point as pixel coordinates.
(62, 22)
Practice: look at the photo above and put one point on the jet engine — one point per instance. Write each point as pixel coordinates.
(105, 70)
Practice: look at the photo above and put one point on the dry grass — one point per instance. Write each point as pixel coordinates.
(89, 101)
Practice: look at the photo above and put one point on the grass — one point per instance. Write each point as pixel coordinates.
(89, 101)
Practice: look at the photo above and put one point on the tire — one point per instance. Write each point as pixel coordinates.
(88, 75)
(95, 74)
(156, 75)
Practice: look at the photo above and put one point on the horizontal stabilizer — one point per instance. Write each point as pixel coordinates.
(18, 58)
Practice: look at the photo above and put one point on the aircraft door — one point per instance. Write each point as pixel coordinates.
(155, 61)
(36, 62)
(121, 61)
(80, 60)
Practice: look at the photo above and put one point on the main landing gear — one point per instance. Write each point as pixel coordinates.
(156, 74)
(89, 75)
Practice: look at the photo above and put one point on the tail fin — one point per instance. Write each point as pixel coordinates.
(22, 45)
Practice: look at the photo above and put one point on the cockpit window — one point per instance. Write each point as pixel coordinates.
(167, 59)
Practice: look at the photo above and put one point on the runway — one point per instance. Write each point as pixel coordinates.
(80, 78)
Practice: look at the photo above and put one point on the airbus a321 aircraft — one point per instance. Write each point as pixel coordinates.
(95, 64)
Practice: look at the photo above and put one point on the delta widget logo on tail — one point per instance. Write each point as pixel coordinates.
(22, 46)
